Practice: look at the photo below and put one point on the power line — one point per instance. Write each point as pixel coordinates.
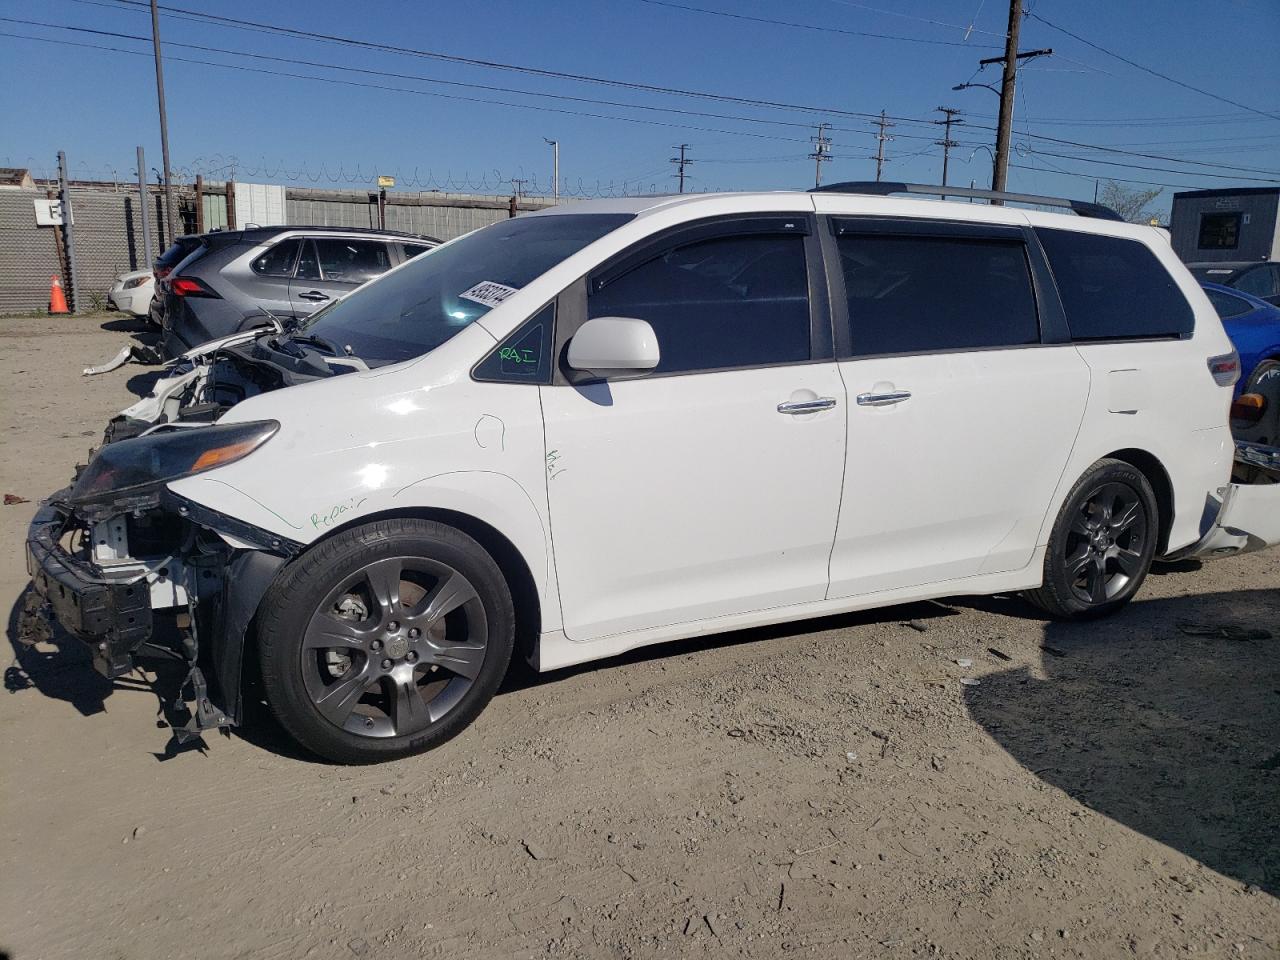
(1154, 73)
(748, 101)
(810, 26)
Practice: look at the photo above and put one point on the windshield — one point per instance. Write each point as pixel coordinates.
(414, 309)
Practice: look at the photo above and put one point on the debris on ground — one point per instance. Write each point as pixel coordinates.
(1223, 631)
(999, 654)
(918, 625)
(970, 681)
(12, 498)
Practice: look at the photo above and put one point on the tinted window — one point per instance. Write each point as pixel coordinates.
(1219, 231)
(413, 310)
(525, 356)
(308, 264)
(1260, 281)
(736, 301)
(352, 261)
(278, 261)
(916, 294)
(1228, 306)
(1114, 289)
(412, 250)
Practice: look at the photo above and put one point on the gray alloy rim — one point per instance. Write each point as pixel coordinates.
(394, 647)
(1105, 543)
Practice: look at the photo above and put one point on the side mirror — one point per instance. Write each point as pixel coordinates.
(614, 346)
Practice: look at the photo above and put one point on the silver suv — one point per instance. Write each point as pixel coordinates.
(237, 279)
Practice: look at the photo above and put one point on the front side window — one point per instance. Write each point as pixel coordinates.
(279, 260)
(736, 301)
(1219, 231)
(525, 356)
(411, 311)
(922, 294)
(351, 261)
(1113, 288)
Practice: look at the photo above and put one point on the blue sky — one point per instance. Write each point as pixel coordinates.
(97, 105)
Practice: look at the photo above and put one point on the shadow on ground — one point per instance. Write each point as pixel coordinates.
(1160, 720)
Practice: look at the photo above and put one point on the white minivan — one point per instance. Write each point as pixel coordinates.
(619, 422)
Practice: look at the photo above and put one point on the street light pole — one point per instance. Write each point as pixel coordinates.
(169, 210)
(555, 175)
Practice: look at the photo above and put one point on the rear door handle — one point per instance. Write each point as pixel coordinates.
(883, 399)
(313, 295)
(797, 407)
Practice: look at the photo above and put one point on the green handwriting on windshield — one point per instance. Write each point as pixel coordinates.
(517, 355)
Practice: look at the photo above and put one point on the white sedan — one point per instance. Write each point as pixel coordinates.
(132, 292)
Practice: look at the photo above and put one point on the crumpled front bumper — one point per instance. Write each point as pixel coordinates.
(110, 613)
(1248, 515)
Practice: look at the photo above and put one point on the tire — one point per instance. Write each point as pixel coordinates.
(385, 640)
(1102, 544)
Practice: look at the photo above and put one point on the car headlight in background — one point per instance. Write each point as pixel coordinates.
(134, 465)
(136, 282)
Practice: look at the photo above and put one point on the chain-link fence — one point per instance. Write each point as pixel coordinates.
(107, 230)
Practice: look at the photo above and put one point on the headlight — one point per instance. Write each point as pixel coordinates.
(135, 282)
(133, 465)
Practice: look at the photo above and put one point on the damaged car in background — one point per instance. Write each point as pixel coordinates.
(545, 438)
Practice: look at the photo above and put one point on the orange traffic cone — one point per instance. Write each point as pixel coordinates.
(57, 299)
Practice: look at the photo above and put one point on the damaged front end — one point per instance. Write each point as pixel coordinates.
(136, 571)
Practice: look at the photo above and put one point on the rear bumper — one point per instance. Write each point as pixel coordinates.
(1248, 517)
(111, 614)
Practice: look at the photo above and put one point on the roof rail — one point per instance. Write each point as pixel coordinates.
(883, 189)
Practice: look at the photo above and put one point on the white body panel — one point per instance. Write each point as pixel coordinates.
(713, 501)
(683, 505)
(134, 300)
(955, 480)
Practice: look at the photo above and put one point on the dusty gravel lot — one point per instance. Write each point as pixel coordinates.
(826, 789)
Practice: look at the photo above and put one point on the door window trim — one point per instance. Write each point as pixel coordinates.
(572, 305)
(1050, 316)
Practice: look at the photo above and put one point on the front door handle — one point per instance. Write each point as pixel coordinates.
(883, 399)
(797, 407)
(315, 295)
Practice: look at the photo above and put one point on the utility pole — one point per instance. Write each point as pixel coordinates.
(144, 200)
(946, 143)
(555, 167)
(681, 162)
(821, 153)
(68, 239)
(883, 138)
(170, 210)
(517, 187)
(1008, 84)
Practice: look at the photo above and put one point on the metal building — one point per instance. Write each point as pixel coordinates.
(1232, 225)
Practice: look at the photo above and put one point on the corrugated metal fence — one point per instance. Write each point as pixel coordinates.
(107, 229)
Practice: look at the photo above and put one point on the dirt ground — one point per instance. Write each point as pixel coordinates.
(824, 789)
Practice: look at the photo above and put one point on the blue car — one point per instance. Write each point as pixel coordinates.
(1254, 327)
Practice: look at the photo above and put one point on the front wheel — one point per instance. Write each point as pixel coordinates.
(386, 640)
(1102, 544)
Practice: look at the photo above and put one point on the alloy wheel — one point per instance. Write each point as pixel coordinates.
(394, 647)
(1106, 543)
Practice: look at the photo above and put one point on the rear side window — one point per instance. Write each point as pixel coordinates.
(1228, 306)
(736, 301)
(1114, 289)
(352, 261)
(920, 294)
(279, 260)
(1261, 281)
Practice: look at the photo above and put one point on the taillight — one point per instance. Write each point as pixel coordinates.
(1225, 369)
(162, 272)
(192, 287)
(1249, 407)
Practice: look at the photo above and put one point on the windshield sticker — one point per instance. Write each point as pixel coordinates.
(487, 293)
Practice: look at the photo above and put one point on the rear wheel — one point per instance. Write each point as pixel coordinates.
(1265, 381)
(386, 640)
(1102, 544)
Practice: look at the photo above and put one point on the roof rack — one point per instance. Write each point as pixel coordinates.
(883, 189)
